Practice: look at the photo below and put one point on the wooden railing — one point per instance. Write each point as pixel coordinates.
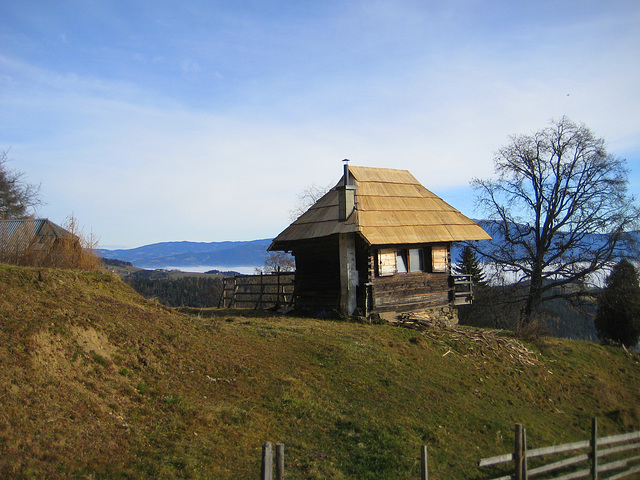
(462, 289)
(585, 464)
(272, 290)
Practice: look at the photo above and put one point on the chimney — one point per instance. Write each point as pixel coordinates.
(346, 195)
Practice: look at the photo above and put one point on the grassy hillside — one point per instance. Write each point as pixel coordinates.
(97, 382)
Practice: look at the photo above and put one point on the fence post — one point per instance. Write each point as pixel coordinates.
(518, 453)
(279, 461)
(278, 289)
(234, 297)
(424, 467)
(525, 460)
(267, 462)
(594, 448)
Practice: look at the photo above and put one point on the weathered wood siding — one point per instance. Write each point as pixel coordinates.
(318, 279)
(317, 274)
(410, 291)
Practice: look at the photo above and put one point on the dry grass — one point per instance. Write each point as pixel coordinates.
(97, 382)
(75, 251)
(79, 251)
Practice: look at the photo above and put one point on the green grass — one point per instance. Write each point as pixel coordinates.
(171, 395)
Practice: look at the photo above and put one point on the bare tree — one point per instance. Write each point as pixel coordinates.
(17, 198)
(307, 198)
(277, 262)
(558, 210)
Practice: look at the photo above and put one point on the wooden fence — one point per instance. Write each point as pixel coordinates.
(266, 472)
(272, 290)
(585, 462)
(622, 450)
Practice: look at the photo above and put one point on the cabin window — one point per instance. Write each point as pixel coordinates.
(416, 263)
(400, 260)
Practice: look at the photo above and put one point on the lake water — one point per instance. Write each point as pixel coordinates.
(245, 270)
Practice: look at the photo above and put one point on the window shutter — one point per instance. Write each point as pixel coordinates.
(386, 262)
(439, 258)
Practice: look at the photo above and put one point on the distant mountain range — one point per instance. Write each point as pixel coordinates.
(192, 254)
(250, 253)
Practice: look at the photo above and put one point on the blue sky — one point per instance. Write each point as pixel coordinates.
(204, 120)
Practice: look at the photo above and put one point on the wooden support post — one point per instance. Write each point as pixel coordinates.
(348, 273)
(424, 467)
(518, 454)
(594, 448)
(267, 462)
(279, 461)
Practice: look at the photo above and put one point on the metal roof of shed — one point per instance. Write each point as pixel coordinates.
(26, 229)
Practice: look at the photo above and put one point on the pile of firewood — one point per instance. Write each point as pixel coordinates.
(489, 342)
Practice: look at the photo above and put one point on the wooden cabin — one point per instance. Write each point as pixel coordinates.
(378, 242)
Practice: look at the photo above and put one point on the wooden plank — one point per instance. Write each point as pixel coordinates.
(506, 477)
(617, 464)
(574, 475)
(486, 462)
(566, 447)
(560, 464)
(625, 474)
(621, 448)
(430, 301)
(625, 437)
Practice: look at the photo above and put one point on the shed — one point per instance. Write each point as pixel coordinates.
(32, 241)
(377, 242)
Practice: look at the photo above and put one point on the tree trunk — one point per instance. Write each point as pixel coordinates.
(534, 299)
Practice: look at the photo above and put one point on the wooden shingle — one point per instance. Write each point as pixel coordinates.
(391, 207)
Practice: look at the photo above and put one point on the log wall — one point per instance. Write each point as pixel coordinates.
(317, 274)
(318, 281)
(410, 291)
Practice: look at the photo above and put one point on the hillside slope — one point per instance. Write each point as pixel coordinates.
(97, 382)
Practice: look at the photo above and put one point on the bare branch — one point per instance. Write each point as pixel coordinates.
(558, 208)
(17, 197)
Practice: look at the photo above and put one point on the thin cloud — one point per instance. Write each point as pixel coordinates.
(205, 123)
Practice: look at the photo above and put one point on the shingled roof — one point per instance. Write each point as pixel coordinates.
(392, 208)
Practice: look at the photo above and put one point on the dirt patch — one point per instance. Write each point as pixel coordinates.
(90, 340)
(60, 356)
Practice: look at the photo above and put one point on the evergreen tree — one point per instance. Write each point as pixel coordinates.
(469, 265)
(618, 311)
